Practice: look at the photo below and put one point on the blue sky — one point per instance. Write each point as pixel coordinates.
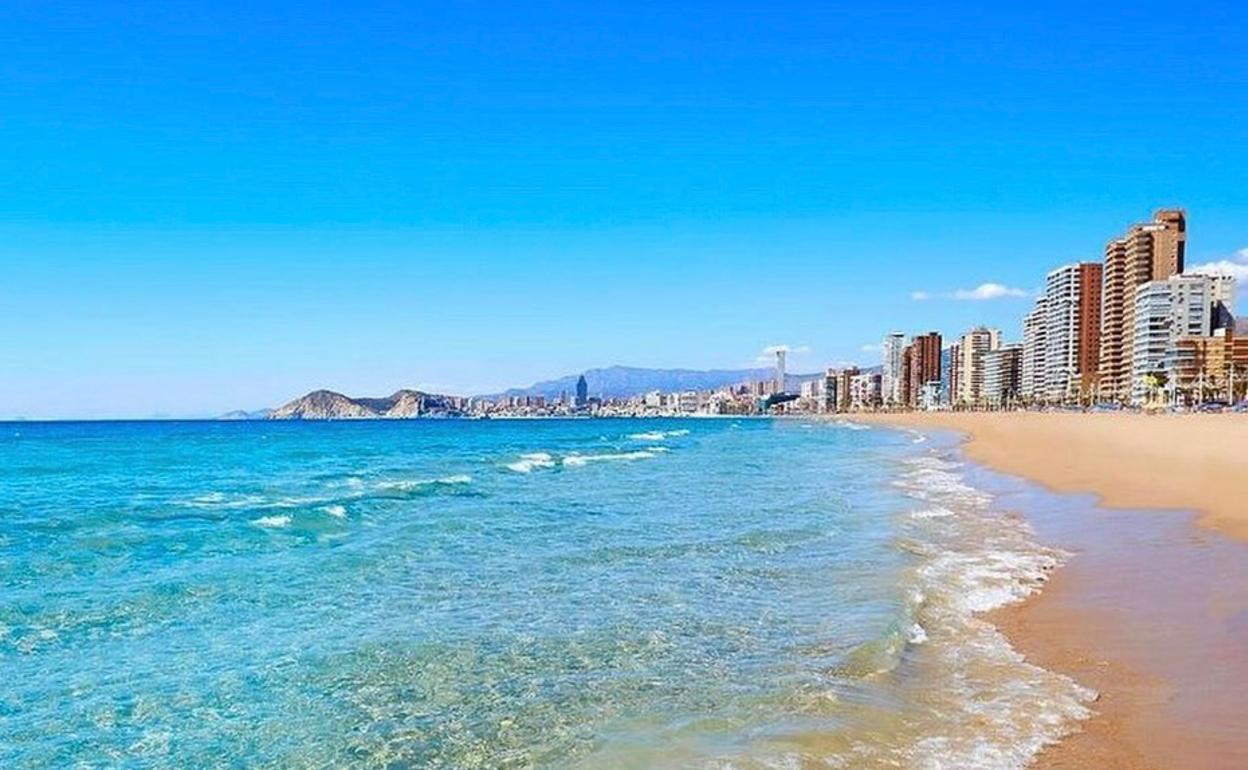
(213, 206)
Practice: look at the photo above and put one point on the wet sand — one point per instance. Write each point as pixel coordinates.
(1152, 612)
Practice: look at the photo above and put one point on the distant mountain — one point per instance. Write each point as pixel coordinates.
(328, 405)
(240, 414)
(626, 381)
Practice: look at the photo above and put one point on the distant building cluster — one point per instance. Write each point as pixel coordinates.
(1131, 330)
(742, 399)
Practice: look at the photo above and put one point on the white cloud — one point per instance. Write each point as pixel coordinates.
(984, 291)
(1237, 267)
(768, 356)
(771, 350)
(988, 291)
(874, 348)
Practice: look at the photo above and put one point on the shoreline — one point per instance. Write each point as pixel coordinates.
(1152, 612)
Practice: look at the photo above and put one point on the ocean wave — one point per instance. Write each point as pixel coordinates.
(531, 461)
(850, 425)
(578, 460)
(654, 435)
(658, 435)
(408, 485)
(989, 708)
(355, 489)
(538, 460)
(337, 511)
(272, 522)
(223, 500)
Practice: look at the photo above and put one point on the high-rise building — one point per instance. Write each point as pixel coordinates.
(1181, 306)
(1072, 332)
(582, 392)
(891, 379)
(923, 368)
(779, 387)
(865, 391)
(1035, 350)
(968, 363)
(844, 388)
(828, 404)
(1222, 292)
(1152, 251)
(953, 373)
(1003, 369)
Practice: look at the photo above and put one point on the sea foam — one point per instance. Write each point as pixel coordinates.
(990, 708)
(272, 522)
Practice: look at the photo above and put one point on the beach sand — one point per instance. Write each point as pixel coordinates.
(1153, 611)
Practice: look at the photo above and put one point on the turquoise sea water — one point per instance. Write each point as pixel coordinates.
(508, 594)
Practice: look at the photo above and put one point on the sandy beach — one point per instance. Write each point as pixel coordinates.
(1153, 610)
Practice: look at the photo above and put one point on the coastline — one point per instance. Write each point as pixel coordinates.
(1153, 611)
(1142, 462)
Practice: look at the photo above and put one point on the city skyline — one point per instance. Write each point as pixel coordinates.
(469, 200)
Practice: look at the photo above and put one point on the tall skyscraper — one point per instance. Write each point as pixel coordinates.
(780, 371)
(891, 379)
(1072, 331)
(582, 391)
(970, 364)
(1152, 251)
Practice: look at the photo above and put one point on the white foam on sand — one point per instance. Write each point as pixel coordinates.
(990, 708)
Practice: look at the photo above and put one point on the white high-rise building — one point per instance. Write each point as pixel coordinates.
(1061, 360)
(1181, 306)
(780, 371)
(890, 377)
(1035, 348)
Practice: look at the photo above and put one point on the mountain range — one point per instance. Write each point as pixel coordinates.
(627, 381)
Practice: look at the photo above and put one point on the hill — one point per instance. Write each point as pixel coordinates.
(402, 404)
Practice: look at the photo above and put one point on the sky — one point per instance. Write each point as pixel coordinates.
(223, 205)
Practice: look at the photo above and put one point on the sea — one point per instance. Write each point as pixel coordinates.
(507, 594)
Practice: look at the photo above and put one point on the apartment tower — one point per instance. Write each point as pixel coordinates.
(923, 365)
(1035, 350)
(892, 382)
(1151, 251)
(1166, 311)
(1072, 331)
(969, 364)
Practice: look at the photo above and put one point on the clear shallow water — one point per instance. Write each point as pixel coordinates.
(529, 594)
